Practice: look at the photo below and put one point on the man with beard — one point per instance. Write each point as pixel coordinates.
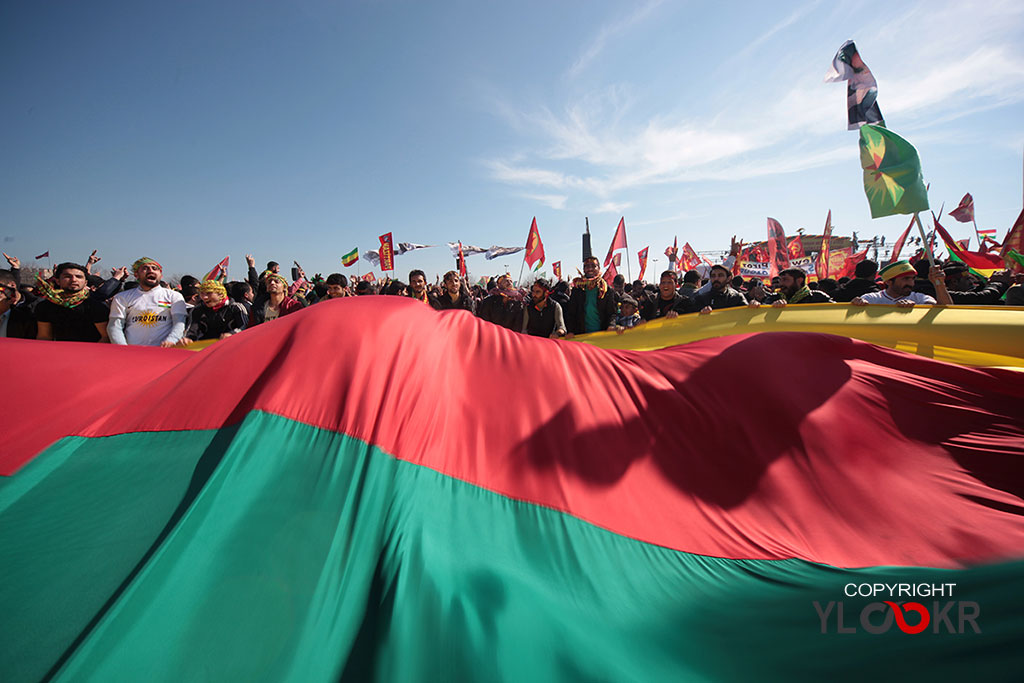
(454, 295)
(963, 289)
(70, 313)
(592, 304)
(721, 295)
(418, 286)
(216, 316)
(899, 288)
(504, 306)
(150, 314)
(542, 316)
(793, 289)
(669, 303)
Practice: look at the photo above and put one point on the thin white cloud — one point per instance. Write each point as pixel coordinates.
(785, 120)
(555, 201)
(597, 44)
(613, 207)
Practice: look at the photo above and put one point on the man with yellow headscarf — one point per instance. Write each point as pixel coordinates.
(216, 317)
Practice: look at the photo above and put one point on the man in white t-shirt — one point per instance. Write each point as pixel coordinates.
(150, 314)
(899, 285)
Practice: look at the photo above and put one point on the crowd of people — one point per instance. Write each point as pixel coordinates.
(138, 307)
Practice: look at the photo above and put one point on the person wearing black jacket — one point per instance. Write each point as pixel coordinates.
(669, 303)
(863, 282)
(721, 295)
(592, 304)
(504, 306)
(216, 317)
(455, 295)
(16, 318)
(542, 316)
(963, 291)
(793, 289)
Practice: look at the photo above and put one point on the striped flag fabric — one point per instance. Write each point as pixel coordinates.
(219, 272)
(350, 258)
(45, 254)
(861, 88)
(209, 521)
(964, 212)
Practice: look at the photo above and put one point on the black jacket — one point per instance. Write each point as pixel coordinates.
(22, 323)
(575, 315)
(657, 307)
(503, 311)
(727, 298)
(848, 291)
(815, 297)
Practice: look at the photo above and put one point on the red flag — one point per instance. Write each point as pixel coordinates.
(556, 268)
(972, 259)
(964, 244)
(796, 247)
(45, 254)
(673, 251)
(1014, 240)
(821, 263)
(610, 273)
(851, 262)
(618, 241)
(462, 261)
(642, 256)
(898, 247)
(219, 272)
(387, 253)
(534, 247)
(369, 277)
(690, 259)
(990, 245)
(778, 249)
(965, 211)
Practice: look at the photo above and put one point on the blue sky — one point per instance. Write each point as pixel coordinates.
(192, 130)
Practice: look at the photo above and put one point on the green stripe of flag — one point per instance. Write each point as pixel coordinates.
(278, 551)
(350, 258)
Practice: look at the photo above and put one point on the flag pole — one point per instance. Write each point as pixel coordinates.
(924, 238)
(976, 233)
(521, 266)
(625, 239)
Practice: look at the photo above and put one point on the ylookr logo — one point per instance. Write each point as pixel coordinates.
(911, 617)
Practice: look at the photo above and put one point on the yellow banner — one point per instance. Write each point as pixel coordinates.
(982, 336)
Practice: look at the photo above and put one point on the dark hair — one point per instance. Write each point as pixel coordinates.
(922, 267)
(189, 286)
(237, 290)
(827, 285)
(669, 273)
(812, 285)
(271, 264)
(69, 265)
(414, 273)
(395, 288)
(450, 275)
(337, 279)
(7, 276)
(691, 276)
(542, 283)
(842, 281)
(619, 279)
(794, 273)
(737, 282)
(592, 258)
(865, 270)
(364, 286)
(93, 280)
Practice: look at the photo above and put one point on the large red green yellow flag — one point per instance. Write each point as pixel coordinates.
(892, 173)
(295, 504)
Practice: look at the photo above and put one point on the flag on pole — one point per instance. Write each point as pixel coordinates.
(618, 241)
(673, 254)
(821, 263)
(898, 246)
(462, 262)
(404, 247)
(610, 272)
(690, 260)
(369, 277)
(350, 258)
(964, 212)
(642, 256)
(45, 254)
(987, 233)
(892, 173)
(534, 247)
(796, 247)
(861, 88)
(219, 271)
(556, 268)
(467, 249)
(978, 262)
(387, 253)
(778, 248)
(1014, 241)
(497, 252)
